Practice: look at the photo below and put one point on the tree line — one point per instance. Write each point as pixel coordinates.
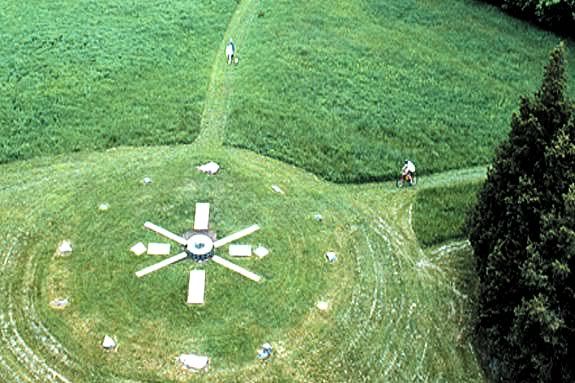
(523, 235)
(555, 15)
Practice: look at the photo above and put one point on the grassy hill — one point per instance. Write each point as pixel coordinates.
(439, 213)
(335, 98)
(348, 90)
(396, 312)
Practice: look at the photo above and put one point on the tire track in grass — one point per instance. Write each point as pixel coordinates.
(403, 346)
(418, 326)
(376, 313)
(436, 271)
(449, 248)
(399, 325)
(368, 292)
(14, 356)
(6, 372)
(33, 365)
(40, 333)
(29, 352)
(220, 89)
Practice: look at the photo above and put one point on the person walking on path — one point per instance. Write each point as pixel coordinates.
(230, 51)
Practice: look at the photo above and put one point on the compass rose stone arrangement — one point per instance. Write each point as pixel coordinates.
(200, 247)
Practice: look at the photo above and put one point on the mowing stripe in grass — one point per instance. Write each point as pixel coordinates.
(220, 90)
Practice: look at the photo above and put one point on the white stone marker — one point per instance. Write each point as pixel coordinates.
(60, 303)
(196, 287)
(209, 168)
(202, 216)
(261, 251)
(109, 343)
(194, 362)
(240, 250)
(330, 256)
(138, 249)
(65, 248)
(158, 248)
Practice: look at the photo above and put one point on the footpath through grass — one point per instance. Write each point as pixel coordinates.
(348, 90)
(80, 75)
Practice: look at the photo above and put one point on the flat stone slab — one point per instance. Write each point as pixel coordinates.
(194, 362)
(159, 265)
(261, 251)
(60, 303)
(237, 235)
(202, 216)
(196, 287)
(209, 168)
(240, 250)
(155, 248)
(330, 256)
(65, 248)
(108, 343)
(265, 351)
(138, 249)
(277, 189)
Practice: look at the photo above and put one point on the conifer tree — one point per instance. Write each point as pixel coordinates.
(522, 232)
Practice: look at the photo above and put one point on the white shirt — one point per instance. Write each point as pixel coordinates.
(409, 167)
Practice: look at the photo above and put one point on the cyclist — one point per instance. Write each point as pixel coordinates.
(408, 171)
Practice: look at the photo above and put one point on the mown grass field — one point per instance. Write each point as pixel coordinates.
(348, 90)
(398, 311)
(84, 75)
(383, 320)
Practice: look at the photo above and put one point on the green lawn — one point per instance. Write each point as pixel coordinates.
(99, 95)
(383, 320)
(80, 75)
(345, 90)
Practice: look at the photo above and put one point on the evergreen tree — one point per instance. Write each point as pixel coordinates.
(522, 232)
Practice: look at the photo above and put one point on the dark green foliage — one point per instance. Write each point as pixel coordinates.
(439, 213)
(523, 238)
(558, 15)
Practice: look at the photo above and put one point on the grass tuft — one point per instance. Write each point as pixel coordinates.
(439, 213)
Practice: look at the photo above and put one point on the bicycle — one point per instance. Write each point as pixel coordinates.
(408, 179)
